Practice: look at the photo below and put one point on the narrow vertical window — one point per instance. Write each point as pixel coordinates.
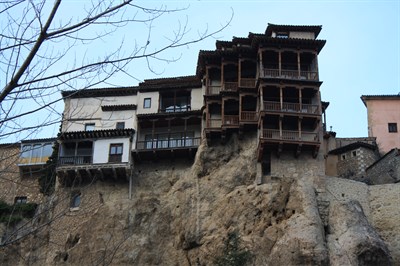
(115, 155)
(75, 199)
(147, 103)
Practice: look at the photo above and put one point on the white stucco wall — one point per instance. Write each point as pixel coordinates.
(154, 95)
(197, 99)
(81, 111)
(101, 149)
(302, 35)
(110, 119)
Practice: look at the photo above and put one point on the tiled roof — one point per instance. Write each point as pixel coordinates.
(352, 146)
(38, 140)
(121, 107)
(170, 83)
(107, 133)
(394, 150)
(101, 92)
(379, 97)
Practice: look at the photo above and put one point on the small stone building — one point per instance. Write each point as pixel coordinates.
(386, 170)
(353, 159)
(21, 164)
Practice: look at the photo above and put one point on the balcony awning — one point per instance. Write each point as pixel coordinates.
(108, 133)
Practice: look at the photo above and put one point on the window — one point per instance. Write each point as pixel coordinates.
(19, 200)
(147, 103)
(282, 35)
(35, 153)
(75, 199)
(344, 157)
(120, 125)
(392, 127)
(354, 153)
(115, 155)
(89, 127)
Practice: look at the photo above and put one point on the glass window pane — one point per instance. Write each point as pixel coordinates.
(47, 150)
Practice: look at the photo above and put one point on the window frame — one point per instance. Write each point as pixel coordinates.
(20, 200)
(90, 125)
(113, 155)
(76, 200)
(392, 127)
(146, 103)
(118, 125)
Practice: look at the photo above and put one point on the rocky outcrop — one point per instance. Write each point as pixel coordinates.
(352, 240)
(182, 211)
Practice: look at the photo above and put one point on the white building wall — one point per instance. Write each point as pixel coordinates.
(197, 99)
(101, 149)
(154, 96)
(302, 35)
(109, 119)
(81, 111)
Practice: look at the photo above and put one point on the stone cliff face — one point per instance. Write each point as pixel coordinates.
(181, 213)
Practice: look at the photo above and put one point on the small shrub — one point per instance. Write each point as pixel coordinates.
(233, 255)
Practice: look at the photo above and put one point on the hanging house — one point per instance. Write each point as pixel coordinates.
(97, 135)
(168, 118)
(269, 80)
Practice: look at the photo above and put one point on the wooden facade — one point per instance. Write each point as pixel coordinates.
(266, 82)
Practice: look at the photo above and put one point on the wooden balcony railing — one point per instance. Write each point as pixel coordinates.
(231, 120)
(159, 144)
(290, 135)
(290, 107)
(230, 86)
(214, 123)
(213, 89)
(247, 82)
(290, 74)
(75, 160)
(248, 116)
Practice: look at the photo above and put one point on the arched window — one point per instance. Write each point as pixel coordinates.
(75, 199)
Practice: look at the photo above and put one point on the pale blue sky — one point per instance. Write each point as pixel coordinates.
(361, 56)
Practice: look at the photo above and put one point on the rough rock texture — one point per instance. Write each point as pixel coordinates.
(352, 240)
(181, 213)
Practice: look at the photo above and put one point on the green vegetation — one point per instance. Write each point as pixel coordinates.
(12, 214)
(47, 181)
(232, 254)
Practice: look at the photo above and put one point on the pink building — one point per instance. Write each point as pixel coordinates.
(383, 120)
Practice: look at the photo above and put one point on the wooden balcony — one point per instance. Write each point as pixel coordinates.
(230, 87)
(166, 148)
(312, 109)
(247, 83)
(168, 144)
(230, 121)
(74, 170)
(75, 160)
(289, 136)
(248, 117)
(290, 74)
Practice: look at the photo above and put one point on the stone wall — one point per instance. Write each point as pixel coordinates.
(353, 163)
(11, 183)
(386, 170)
